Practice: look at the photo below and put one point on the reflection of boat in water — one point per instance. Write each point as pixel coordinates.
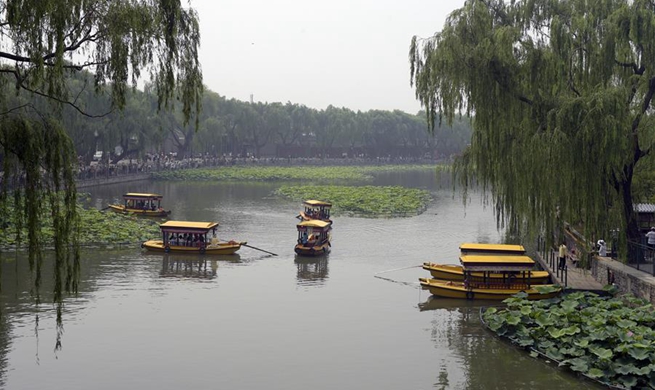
(193, 266)
(312, 268)
(315, 209)
(437, 303)
(200, 267)
(191, 237)
(514, 277)
(313, 238)
(148, 205)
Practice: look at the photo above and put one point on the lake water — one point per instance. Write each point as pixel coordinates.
(355, 319)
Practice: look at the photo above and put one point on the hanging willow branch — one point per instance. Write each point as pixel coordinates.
(560, 93)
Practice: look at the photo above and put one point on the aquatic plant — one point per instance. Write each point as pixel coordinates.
(96, 227)
(609, 339)
(274, 173)
(365, 201)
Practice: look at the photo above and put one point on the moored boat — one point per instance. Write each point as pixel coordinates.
(456, 273)
(491, 277)
(474, 248)
(451, 289)
(315, 210)
(313, 238)
(191, 237)
(141, 204)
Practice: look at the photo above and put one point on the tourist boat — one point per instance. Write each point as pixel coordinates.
(141, 204)
(456, 273)
(313, 238)
(315, 209)
(191, 237)
(514, 276)
(471, 248)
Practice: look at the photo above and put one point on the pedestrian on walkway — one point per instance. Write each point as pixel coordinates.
(651, 241)
(563, 253)
(602, 248)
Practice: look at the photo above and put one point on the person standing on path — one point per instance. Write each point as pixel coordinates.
(602, 248)
(651, 241)
(563, 252)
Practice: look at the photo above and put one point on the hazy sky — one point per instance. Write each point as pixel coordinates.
(348, 53)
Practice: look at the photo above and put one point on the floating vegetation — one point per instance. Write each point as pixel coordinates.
(274, 173)
(96, 227)
(608, 339)
(365, 201)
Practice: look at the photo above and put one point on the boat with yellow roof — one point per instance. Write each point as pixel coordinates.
(313, 238)
(191, 237)
(144, 204)
(511, 274)
(455, 272)
(315, 210)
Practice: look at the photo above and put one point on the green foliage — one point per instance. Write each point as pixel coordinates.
(48, 41)
(95, 228)
(365, 201)
(610, 339)
(265, 173)
(561, 92)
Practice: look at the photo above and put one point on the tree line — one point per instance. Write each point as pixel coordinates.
(230, 127)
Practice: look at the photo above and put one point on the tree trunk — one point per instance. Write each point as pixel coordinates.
(632, 233)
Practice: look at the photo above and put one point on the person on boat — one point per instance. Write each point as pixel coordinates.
(304, 238)
(563, 253)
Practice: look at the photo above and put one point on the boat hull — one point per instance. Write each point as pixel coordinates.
(142, 212)
(451, 289)
(223, 248)
(316, 250)
(456, 273)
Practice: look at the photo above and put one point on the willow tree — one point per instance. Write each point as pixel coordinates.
(44, 42)
(560, 92)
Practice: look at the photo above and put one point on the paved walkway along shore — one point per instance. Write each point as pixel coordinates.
(574, 278)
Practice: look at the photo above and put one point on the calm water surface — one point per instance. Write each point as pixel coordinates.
(355, 319)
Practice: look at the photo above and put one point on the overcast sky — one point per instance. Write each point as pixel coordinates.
(348, 53)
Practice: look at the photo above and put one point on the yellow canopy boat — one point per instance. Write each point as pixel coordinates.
(471, 248)
(313, 238)
(456, 273)
(315, 210)
(191, 237)
(141, 204)
(450, 289)
(489, 277)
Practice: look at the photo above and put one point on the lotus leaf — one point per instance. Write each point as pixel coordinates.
(546, 344)
(534, 354)
(513, 320)
(544, 320)
(602, 353)
(639, 353)
(582, 343)
(578, 364)
(554, 354)
(628, 381)
(596, 374)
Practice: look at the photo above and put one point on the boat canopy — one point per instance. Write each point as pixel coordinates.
(187, 227)
(313, 223)
(316, 203)
(141, 196)
(492, 249)
(496, 263)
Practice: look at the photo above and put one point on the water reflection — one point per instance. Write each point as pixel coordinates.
(487, 361)
(193, 266)
(312, 270)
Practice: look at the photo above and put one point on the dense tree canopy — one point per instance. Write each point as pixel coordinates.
(561, 95)
(45, 43)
